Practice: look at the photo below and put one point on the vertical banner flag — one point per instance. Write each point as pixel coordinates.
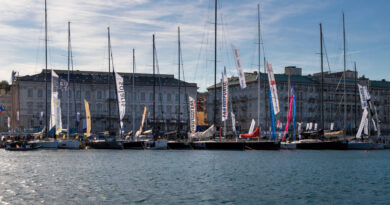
(88, 118)
(41, 116)
(9, 122)
(294, 110)
(78, 117)
(252, 127)
(315, 126)
(225, 97)
(120, 93)
(55, 105)
(363, 96)
(331, 126)
(240, 72)
(289, 116)
(1, 109)
(299, 129)
(363, 123)
(272, 115)
(192, 107)
(274, 91)
(234, 123)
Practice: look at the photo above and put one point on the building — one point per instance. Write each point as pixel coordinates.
(5, 101)
(93, 87)
(307, 88)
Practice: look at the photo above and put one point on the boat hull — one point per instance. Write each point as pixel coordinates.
(269, 145)
(133, 145)
(224, 145)
(105, 144)
(284, 145)
(45, 144)
(156, 145)
(337, 145)
(68, 144)
(179, 145)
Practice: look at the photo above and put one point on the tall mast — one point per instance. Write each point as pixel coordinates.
(355, 111)
(345, 97)
(154, 90)
(46, 69)
(67, 134)
(108, 81)
(258, 71)
(179, 62)
(322, 81)
(265, 95)
(133, 98)
(215, 66)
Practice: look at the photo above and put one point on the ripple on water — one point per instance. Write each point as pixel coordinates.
(200, 177)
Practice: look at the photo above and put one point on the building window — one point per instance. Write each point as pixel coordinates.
(40, 93)
(169, 97)
(87, 95)
(99, 95)
(151, 97)
(30, 108)
(99, 108)
(142, 96)
(177, 98)
(30, 93)
(78, 94)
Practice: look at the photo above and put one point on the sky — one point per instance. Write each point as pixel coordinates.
(289, 33)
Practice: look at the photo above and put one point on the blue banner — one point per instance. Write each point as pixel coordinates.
(272, 115)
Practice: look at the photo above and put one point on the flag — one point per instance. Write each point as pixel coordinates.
(241, 74)
(1, 109)
(192, 107)
(120, 93)
(225, 97)
(274, 91)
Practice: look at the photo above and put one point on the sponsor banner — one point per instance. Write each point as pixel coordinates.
(240, 71)
(192, 107)
(225, 97)
(120, 93)
(252, 127)
(274, 91)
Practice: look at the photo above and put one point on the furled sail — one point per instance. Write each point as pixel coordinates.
(142, 122)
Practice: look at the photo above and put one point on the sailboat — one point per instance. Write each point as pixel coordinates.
(46, 143)
(110, 141)
(68, 143)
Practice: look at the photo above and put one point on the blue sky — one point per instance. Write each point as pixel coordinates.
(290, 33)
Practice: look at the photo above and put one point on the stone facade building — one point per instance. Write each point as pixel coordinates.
(244, 102)
(93, 87)
(5, 101)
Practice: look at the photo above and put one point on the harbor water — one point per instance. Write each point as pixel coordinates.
(194, 177)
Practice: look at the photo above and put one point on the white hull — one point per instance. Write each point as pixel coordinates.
(287, 145)
(159, 144)
(45, 144)
(68, 144)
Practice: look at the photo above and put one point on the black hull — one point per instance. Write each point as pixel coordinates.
(105, 145)
(133, 145)
(338, 145)
(224, 145)
(179, 145)
(262, 145)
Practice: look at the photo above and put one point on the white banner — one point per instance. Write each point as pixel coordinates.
(363, 96)
(78, 116)
(55, 105)
(331, 126)
(120, 94)
(41, 116)
(225, 97)
(9, 122)
(192, 104)
(240, 72)
(233, 122)
(274, 91)
(252, 127)
(315, 126)
(363, 123)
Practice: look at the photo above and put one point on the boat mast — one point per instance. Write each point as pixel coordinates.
(179, 50)
(46, 131)
(67, 134)
(133, 91)
(222, 88)
(154, 91)
(355, 95)
(215, 65)
(108, 82)
(345, 97)
(265, 95)
(322, 81)
(258, 71)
